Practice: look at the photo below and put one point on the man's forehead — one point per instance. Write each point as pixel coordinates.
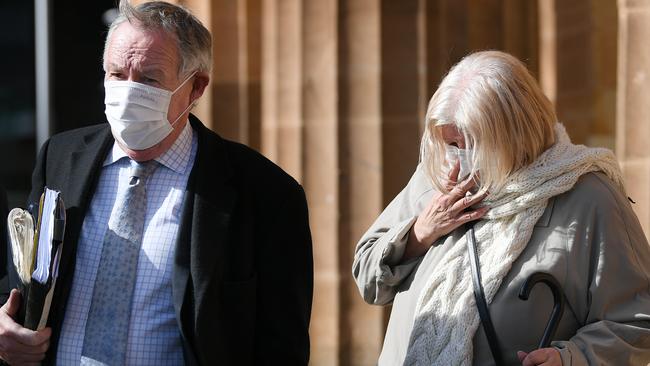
(150, 50)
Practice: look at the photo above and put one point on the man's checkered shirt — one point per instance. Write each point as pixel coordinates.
(154, 336)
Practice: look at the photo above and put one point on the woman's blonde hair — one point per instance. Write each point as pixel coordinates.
(501, 111)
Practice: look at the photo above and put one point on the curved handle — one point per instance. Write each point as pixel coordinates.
(558, 303)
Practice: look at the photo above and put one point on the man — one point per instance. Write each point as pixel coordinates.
(223, 262)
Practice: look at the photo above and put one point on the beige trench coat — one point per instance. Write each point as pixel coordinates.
(589, 239)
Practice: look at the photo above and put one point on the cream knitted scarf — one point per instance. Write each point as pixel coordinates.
(446, 317)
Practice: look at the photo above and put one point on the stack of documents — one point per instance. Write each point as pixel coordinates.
(36, 245)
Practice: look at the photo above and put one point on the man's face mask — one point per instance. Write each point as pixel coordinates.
(464, 156)
(137, 112)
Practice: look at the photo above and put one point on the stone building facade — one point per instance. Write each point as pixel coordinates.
(334, 91)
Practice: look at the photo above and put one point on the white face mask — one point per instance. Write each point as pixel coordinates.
(453, 154)
(137, 112)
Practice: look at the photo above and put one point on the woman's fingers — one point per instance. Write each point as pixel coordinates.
(446, 212)
(452, 177)
(468, 201)
(460, 190)
(456, 192)
(543, 356)
(468, 216)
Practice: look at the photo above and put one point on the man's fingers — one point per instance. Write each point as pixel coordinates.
(24, 359)
(32, 338)
(16, 348)
(13, 303)
(27, 337)
(19, 345)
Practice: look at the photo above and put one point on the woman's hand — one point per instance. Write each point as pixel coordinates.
(444, 214)
(543, 356)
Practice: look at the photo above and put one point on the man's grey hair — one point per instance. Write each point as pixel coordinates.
(193, 40)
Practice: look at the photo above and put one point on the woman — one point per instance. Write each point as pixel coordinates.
(493, 154)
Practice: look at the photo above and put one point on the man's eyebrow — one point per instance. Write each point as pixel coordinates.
(150, 71)
(114, 66)
(154, 71)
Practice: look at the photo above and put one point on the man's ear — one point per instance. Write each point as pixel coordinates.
(201, 80)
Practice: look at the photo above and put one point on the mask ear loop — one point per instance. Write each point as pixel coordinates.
(189, 106)
(183, 83)
(180, 115)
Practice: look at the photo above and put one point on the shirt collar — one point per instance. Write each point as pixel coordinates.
(176, 158)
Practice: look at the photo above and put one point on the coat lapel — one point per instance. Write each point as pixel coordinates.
(85, 168)
(208, 205)
(77, 181)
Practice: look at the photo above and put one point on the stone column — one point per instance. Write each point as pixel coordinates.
(319, 95)
(605, 42)
(576, 66)
(341, 114)
(453, 28)
(400, 98)
(632, 124)
(230, 104)
(282, 124)
(299, 132)
(360, 165)
(203, 109)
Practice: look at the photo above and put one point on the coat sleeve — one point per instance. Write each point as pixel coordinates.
(286, 286)
(378, 269)
(616, 299)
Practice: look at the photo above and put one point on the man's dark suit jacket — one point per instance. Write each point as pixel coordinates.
(243, 270)
(4, 240)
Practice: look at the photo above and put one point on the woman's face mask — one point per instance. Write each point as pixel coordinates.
(464, 156)
(137, 112)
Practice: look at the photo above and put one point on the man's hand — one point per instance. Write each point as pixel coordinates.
(543, 356)
(18, 345)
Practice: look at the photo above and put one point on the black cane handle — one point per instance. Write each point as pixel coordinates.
(558, 303)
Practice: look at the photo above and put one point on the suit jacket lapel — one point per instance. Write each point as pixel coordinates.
(208, 205)
(77, 184)
(85, 169)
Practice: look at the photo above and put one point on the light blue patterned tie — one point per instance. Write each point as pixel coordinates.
(107, 326)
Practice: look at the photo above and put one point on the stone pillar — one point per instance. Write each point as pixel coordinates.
(319, 96)
(632, 124)
(299, 132)
(575, 71)
(574, 48)
(341, 114)
(400, 97)
(445, 40)
(361, 170)
(231, 103)
(605, 41)
(203, 109)
(520, 35)
(454, 28)
(282, 138)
